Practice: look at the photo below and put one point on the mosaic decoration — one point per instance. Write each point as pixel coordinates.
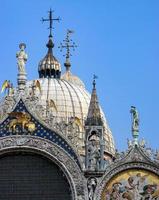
(132, 185)
(21, 122)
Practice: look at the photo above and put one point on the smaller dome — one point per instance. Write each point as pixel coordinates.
(49, 65)
(68, 76)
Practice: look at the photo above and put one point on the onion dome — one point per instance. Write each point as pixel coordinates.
(49, 67)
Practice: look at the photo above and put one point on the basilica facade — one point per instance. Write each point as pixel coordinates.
(55, 142)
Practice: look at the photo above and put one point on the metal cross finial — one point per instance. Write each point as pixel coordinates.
(67, 45)
(50, 19)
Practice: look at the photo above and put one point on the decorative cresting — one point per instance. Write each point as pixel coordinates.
(138, 162)
(37, 145)
(21, 122)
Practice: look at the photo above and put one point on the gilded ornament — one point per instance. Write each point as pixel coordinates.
(21, 119)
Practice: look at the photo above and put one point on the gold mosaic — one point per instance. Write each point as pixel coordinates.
(132, 185)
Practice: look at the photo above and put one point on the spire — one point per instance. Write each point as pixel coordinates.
(49, 67)
(68, 45)
(94, 117)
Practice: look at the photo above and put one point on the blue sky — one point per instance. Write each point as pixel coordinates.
(118, 40)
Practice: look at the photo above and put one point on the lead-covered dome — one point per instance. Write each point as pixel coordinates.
(64, 105)
(61, 102)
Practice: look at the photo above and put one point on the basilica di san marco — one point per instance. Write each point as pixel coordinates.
(55, 142)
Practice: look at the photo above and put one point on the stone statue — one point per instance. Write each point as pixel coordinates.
(93, 156)
(135, 124)
(129, 142)
(135, 116)
(143, 143)
(22, 58)
(157, 155)
(91, 184)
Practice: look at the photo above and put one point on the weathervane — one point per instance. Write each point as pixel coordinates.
(67, 45)
(51, 19)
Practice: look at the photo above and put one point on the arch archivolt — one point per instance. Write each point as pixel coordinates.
(53, 152)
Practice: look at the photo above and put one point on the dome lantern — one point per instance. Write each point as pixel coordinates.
(49, 67)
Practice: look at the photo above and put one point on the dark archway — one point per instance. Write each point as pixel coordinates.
(29, 176)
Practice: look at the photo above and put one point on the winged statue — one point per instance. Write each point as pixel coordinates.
(21, 119)
(35, 85)
(7, 86)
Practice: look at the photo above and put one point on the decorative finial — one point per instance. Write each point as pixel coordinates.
(135, 123)
(67, 45)
(50, 44)
(51, 19)
(94, 81)
(22, 57)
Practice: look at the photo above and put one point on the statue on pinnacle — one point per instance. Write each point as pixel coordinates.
(21, 58)
(135, 123)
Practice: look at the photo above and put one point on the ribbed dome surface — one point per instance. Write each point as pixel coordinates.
(49, 62)
(70, 101)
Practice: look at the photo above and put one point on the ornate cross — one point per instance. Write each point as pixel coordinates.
(67, 45)
(50, 19)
